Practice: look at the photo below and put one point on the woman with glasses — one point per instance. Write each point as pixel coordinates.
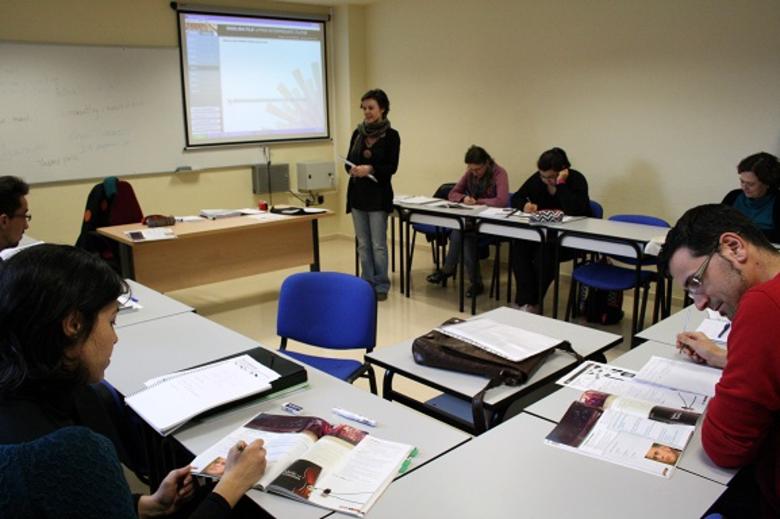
(757, 198)
(58, 305)
(555, 185)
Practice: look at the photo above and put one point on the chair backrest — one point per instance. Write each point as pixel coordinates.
(640, 218)
(328, 309)
(443, 190)
(596, 210)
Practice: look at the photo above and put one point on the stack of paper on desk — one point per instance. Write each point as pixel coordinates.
(170, 401)
(509, 342)
(214, 214)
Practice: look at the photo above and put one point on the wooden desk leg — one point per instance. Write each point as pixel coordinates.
(126, 261)
(315, 238)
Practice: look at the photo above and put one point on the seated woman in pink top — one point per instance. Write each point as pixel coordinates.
(483, 183)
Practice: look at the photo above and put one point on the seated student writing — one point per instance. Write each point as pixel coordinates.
(57, 310)
(759, 180)
(554, 186)
(483, 183)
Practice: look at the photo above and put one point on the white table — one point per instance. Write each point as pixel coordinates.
(168, 344)
(694, 459)
(509, 472)
(607, 237)
(397, 359)
(448, 218)
(666, 330)
(431, 437)
(155, 306)
(153, 348)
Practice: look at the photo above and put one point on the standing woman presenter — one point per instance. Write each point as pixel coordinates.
(373, 149)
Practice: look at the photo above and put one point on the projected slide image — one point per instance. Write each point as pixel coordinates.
(271, 85)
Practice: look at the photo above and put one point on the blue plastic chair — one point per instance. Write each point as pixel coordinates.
(330, 310)
(596, 211)
(437, 236)
(605, 276)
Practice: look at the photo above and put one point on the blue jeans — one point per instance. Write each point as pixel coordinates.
(371, 234)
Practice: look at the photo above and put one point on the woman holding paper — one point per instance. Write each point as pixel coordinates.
(58, 305)
(372, 161)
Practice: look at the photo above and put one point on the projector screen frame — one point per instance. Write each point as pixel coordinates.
(182, 10)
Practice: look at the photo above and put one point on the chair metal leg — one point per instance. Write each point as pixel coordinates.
(570, 302)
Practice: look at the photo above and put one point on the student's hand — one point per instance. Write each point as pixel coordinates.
(530, 207)
(469, 200)
(562, 176)
(244, 466)
(177, 488)
(701, 349)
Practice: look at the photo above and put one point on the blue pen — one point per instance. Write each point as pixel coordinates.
(724, 330)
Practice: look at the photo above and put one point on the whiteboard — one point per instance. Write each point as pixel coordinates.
(72, 112)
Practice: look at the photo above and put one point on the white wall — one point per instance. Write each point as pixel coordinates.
(655, 102)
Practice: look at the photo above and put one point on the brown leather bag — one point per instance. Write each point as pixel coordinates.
(439, 350)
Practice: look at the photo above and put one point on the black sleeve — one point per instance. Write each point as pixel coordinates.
(347, 167)
(524, 194)
(731, 197)
(213, 506)
(573, 195)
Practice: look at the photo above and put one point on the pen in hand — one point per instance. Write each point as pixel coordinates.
(724, 330)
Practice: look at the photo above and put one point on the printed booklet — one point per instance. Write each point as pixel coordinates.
(338, 467)
(641, 420)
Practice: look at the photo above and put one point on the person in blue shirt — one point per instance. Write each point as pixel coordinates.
(759, 179)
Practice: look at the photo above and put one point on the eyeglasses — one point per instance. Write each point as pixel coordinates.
(695, 283)
(26, 216)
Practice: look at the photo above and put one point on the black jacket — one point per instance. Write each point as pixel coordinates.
(571, 197)
(365, 194)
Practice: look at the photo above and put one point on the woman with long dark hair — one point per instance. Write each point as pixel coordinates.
(58, 305)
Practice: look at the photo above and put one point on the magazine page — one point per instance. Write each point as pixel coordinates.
(620, 381)
(640, 443)
(365, 474)
(638, 408)
(286, 438)
(299, 479)
(678, 374)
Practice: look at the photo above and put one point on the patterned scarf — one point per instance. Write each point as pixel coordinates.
(373, 130)
(479, 188)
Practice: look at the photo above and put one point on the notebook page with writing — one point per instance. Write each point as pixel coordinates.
(509, 342)
(677, 374)
(170, 403)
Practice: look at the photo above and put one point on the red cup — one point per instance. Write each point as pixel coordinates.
(262, 205)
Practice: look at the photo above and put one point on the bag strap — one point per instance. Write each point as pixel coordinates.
(481, 421)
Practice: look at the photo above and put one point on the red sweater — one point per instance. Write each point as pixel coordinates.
(742, 424)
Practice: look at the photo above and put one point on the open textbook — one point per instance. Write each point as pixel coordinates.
(641, 420)
(338, 467)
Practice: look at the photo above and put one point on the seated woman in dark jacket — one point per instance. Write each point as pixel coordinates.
(759, 179)
(58, 305)
(554, 186)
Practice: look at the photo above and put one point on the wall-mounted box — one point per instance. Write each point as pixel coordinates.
(279, 181)
(316, 176)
